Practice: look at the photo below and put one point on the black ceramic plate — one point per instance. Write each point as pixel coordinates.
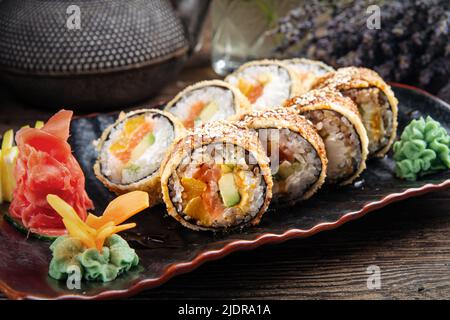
(167, 249)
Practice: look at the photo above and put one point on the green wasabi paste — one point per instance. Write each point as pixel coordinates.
(115, 259)
(424, 148)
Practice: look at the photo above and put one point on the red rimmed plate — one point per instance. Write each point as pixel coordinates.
(167, 249)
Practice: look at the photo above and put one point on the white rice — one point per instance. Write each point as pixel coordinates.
(250, 175)
(223, 97)
(276, 91)
(341, 142)
(147, 164)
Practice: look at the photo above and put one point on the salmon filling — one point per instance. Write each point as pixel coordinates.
(216, 193)
(252, 90)
(203, 105)
(133, 133)
(265, 86)
(200, 112)
(196, 109)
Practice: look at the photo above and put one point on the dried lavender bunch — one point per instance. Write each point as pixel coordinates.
(412, 45)
(295, 26)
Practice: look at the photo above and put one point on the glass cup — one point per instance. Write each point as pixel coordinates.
(242, 30)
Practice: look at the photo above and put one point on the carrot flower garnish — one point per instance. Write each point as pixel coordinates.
(95, 230)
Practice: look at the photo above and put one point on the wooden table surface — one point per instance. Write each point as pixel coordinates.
(408, 241)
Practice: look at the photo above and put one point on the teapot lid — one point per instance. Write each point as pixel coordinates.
(36, 36)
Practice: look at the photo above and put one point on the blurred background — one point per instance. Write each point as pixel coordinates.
(106, 55)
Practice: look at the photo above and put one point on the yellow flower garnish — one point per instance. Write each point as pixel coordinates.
(96, 230)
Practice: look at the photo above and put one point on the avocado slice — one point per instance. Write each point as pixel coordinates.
(146, 142)
(208, 111)
(228, 190)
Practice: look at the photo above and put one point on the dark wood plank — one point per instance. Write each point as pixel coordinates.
(408, 241)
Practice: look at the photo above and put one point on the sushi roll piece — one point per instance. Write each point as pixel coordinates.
(266, 83)
(296, 151)
(131, 150)
(308, 71)
(375, 100)
(217, 178)
(338, 122)
(208, 101)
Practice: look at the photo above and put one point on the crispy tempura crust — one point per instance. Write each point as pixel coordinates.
(354, 78)
(328, 99)
(217, 132)
(281, 118)
(152, 184)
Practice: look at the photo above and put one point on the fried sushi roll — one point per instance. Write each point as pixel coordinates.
(339, 124)
(375, 100)
(217, 178)
(296, 151)
(266, 83)
(308, 71)
(131, 150)
(208, 101)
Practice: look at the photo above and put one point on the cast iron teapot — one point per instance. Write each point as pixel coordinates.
(95, 54)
